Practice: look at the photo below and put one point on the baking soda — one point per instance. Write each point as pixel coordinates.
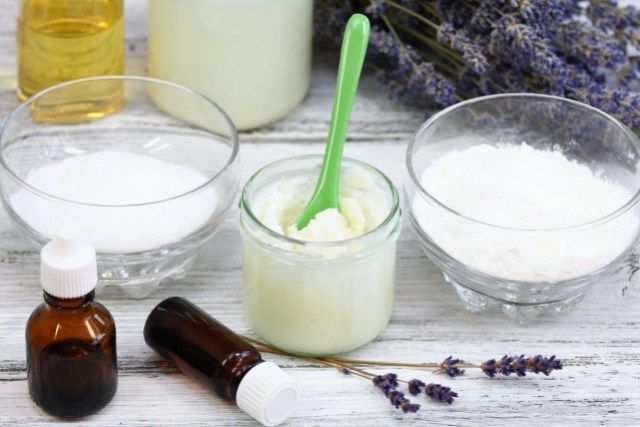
(121, 183)
(536, 195)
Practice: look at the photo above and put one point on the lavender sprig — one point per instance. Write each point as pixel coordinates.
(389, 383)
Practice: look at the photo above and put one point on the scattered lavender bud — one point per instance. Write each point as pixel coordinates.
(439, 392)
(346, 371)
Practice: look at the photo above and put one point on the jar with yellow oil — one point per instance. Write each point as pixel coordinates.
(61, 40)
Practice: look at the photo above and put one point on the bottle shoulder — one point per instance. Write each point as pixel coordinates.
(92, 323)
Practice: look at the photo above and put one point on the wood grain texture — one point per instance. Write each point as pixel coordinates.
(599, 386)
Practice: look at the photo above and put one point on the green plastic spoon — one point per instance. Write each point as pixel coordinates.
(354, 48)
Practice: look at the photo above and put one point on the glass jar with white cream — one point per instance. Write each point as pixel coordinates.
(327, 288)
(252, 57)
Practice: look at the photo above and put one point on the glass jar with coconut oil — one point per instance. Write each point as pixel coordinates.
(327, 288)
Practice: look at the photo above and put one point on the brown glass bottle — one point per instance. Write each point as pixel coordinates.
(200, 345)
(72, 368)
(219, 359)
(71, 356)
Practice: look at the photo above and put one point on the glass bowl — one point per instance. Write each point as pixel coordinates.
(144, 169)
(315, 297)
(491, 255)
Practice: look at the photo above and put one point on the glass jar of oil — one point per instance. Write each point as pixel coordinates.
(61, 40)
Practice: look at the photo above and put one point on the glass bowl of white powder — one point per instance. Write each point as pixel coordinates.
(144, 169)
(524, 201)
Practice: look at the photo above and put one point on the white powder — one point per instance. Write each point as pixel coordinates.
(116, 179)
(519, 187)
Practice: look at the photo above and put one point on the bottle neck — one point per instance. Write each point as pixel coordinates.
(232, 390)
(69, 302)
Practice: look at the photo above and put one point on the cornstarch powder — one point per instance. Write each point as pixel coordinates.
(122, 183)
(539, 193)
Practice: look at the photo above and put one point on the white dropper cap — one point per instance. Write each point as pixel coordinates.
(68, 266)
(267, 394)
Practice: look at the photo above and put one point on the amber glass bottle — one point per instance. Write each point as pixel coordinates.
(211, 353)
(71, 339)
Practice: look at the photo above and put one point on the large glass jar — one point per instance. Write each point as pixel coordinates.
(317, 298)
(253, 57)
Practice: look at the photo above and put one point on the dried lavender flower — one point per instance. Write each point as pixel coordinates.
(415, 387)
(391, 379)
(398, 400)
(439, 392)
(520, 365)
(539, 364)
(403, 71)
(459, 41)
(490, 367)
(408, 407)
(387, 384)
(449, 367)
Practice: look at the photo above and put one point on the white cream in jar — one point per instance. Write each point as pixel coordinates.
(327, 288)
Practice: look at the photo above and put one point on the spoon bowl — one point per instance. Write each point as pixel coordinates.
(354, 48)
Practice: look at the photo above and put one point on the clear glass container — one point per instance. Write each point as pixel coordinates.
(252, 56)
(140, 237)
(62, 40)
(461, 245)
(317, 297)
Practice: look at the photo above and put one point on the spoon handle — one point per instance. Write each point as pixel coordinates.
(352, 53)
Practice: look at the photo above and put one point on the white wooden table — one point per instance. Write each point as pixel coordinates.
(600, 340)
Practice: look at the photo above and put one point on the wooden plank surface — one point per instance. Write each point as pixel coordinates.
(600, 340)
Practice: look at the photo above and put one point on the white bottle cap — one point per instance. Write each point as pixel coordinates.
(267, 394)
(68, 266)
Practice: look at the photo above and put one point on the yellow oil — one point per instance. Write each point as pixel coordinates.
(61, 40)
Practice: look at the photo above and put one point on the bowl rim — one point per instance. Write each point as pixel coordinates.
(395, 210)
(233, 137)
(635, 141)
